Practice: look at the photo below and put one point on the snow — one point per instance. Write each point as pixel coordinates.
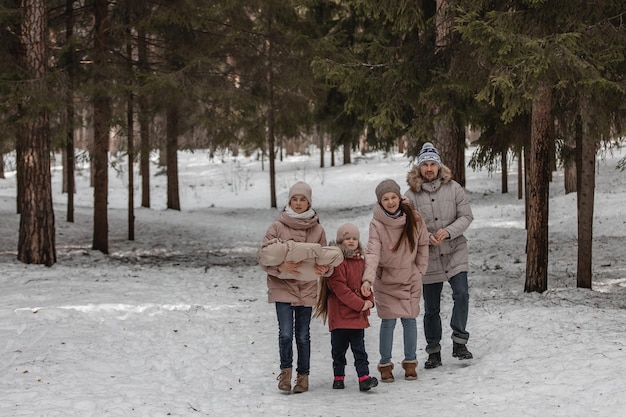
(176, 322)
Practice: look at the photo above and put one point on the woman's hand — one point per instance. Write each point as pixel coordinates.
(290, 268)
(368, 304)
(366, 289)
(321, 269)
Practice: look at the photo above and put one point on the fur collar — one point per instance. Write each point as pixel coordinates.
(415, 180)
(348, 253)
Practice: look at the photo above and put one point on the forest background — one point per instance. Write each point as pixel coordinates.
(102, 80)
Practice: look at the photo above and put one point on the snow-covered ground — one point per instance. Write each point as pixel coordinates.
(176, 322)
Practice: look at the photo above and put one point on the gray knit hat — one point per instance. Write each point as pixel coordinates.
(346, 231)
(428, 153)
(387, 186)
(301, 188)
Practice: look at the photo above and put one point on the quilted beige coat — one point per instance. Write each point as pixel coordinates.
(396, 277)
(444, 205)
(296, 292)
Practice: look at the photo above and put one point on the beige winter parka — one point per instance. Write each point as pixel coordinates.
(296, 292)
(444, 205)
(395, 277)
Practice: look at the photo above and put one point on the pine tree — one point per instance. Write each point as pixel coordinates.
(36, 242)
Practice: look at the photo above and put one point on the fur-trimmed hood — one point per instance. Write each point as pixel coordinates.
(348, 253)
(415, 180)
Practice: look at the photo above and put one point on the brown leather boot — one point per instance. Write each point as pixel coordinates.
(302, 384)
(410, 371)
(284, 379)
(385, 372)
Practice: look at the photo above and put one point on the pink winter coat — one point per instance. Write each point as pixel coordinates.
(285, 227)
(395, 277)
(345, 302)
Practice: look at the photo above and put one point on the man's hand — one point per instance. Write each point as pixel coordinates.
(438, 237)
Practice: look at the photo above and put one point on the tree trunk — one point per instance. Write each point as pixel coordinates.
(450, 141)
(537, 235)
(130, 122)
(459, 150)
(171, 155)
(586, 168)
(520, 174)
(449, 132)
(271, 140)
(36, 240)
(401, 144)
(144, 122)
(570, 152)
(520, 136)
(346, 154)
(505, 171)
(69, 183)
(101, 117)
(320, 136)
(444, 22)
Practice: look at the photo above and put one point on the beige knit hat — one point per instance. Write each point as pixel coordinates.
(346, 231)
(387, 186)
(301, 188)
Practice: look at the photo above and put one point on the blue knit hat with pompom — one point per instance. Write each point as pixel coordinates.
(428, 153)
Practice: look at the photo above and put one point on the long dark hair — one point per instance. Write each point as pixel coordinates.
(321, 307)
(409, 233)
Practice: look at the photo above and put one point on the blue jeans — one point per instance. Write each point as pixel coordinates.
(409, 327)
(340, 340)
(289, 315)
(458, 321)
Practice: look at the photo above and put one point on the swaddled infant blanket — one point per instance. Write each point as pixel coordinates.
(274, 252)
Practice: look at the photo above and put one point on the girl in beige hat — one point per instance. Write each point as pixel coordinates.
(347, 310)
(396, 258)
(294, 299)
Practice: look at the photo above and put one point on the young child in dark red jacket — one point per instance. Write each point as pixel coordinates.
(341, 303)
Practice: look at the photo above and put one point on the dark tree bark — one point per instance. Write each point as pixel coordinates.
(449, 132)
(321, 145)
(586, 183)
(505, 171)
(538, 193)
(130, 122)
(520, 175)
(36, 240)
(271, 140)
(347, 153)
(570, 177)
(70, 185)
(450, 142)
(101, 117)
(144, 122)
(171, 157)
